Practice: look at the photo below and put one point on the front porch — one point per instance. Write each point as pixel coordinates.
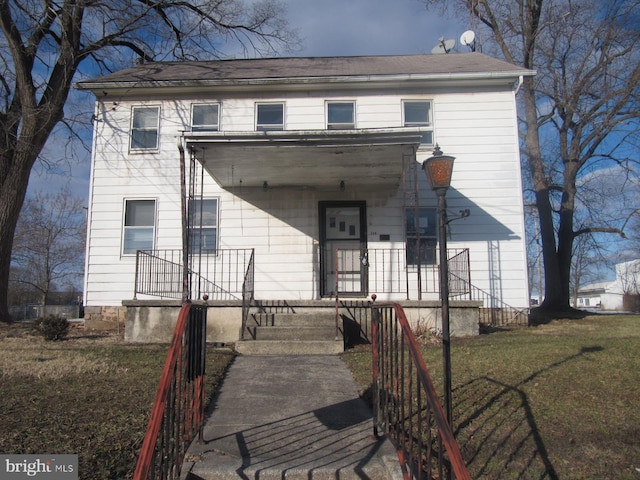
(227, 287)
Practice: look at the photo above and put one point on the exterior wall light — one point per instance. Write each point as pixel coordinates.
(438, 170)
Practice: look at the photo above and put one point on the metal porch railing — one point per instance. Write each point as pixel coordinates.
(495, 313)
(178, 411)
(406, 404)
(220, 276)
(388, 272)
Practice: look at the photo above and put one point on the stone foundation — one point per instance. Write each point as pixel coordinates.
(105, 318)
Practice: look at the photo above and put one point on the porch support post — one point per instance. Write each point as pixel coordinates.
(185, 232)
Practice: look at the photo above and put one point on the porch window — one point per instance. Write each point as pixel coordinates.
(205, 118)
(417, 113)
(428, 235)
(139, 226)
(269, 116)
(203, 223)
(144, 128)
(340, 115)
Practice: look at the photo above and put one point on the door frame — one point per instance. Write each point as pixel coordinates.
(323, 206)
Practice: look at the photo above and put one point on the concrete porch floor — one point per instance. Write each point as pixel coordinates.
(290, 417)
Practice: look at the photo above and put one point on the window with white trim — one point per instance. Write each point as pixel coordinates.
(269, 116)
(341, 115)
(424, 224)
(417, 113)
(205, 117)
(144, 128)
(203, 224)
(139, 226)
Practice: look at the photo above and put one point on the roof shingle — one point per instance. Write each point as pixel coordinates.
(309, 68)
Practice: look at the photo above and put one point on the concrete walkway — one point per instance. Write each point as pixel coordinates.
(290, 417)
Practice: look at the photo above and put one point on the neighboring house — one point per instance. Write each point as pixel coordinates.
(614, 295)
(590, 296)
(311, 168)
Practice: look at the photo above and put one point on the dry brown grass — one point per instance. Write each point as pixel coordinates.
(557, 401)
(32, 356)
(89, 395)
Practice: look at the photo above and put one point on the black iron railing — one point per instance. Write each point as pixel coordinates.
(219, 276)
(494, 312)
(177, 415)
(406, 404)
(459, 273)
(388, 272)
(248, 294)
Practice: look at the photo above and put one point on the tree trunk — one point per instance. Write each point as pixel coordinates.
(12, 193)
(556, 296)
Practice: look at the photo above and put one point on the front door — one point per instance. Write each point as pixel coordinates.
(343, 246)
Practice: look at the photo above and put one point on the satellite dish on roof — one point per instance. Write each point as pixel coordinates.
(444, 46)
(468, 38)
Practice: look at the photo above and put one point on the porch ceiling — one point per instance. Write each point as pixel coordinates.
(308, 159)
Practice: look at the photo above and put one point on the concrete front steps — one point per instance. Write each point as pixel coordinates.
(291, 334)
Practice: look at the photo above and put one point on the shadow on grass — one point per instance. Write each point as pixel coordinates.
(541, 315)
(497, 428)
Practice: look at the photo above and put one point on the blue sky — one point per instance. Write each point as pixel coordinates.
(369, 27)
(326, 27)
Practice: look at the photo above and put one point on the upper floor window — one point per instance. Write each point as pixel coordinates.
(417, 113)
(341, 115)
(205, 118)
(139, 226)
(203, 224)
(144, 128)
(269, 116)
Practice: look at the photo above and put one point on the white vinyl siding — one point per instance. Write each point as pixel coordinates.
(477, 127)
(144, 128)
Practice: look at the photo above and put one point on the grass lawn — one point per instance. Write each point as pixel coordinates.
(86, 395)
(557, 401)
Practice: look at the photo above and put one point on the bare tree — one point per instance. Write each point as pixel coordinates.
(49, 242)
(579, 113)
(44, 44)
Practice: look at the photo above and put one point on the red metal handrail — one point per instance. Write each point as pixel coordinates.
(406, 404)
(178, 411)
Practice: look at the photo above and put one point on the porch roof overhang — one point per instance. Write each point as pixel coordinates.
(320, 159)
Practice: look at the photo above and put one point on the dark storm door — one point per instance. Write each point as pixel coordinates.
(343, 246)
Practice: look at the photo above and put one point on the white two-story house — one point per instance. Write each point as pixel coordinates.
(303, 178)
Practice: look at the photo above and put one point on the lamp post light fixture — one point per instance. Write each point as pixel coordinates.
(438, 169)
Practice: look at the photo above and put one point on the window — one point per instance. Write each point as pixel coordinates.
(428, 236)
(340, 115)
(269, 116)
(205, 118)
(144, 128)
(203, 222)
(418, 114)
(139, 226)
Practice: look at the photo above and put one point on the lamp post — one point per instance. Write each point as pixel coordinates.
(438, 169)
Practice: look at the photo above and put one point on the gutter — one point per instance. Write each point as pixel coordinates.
(302, 81)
